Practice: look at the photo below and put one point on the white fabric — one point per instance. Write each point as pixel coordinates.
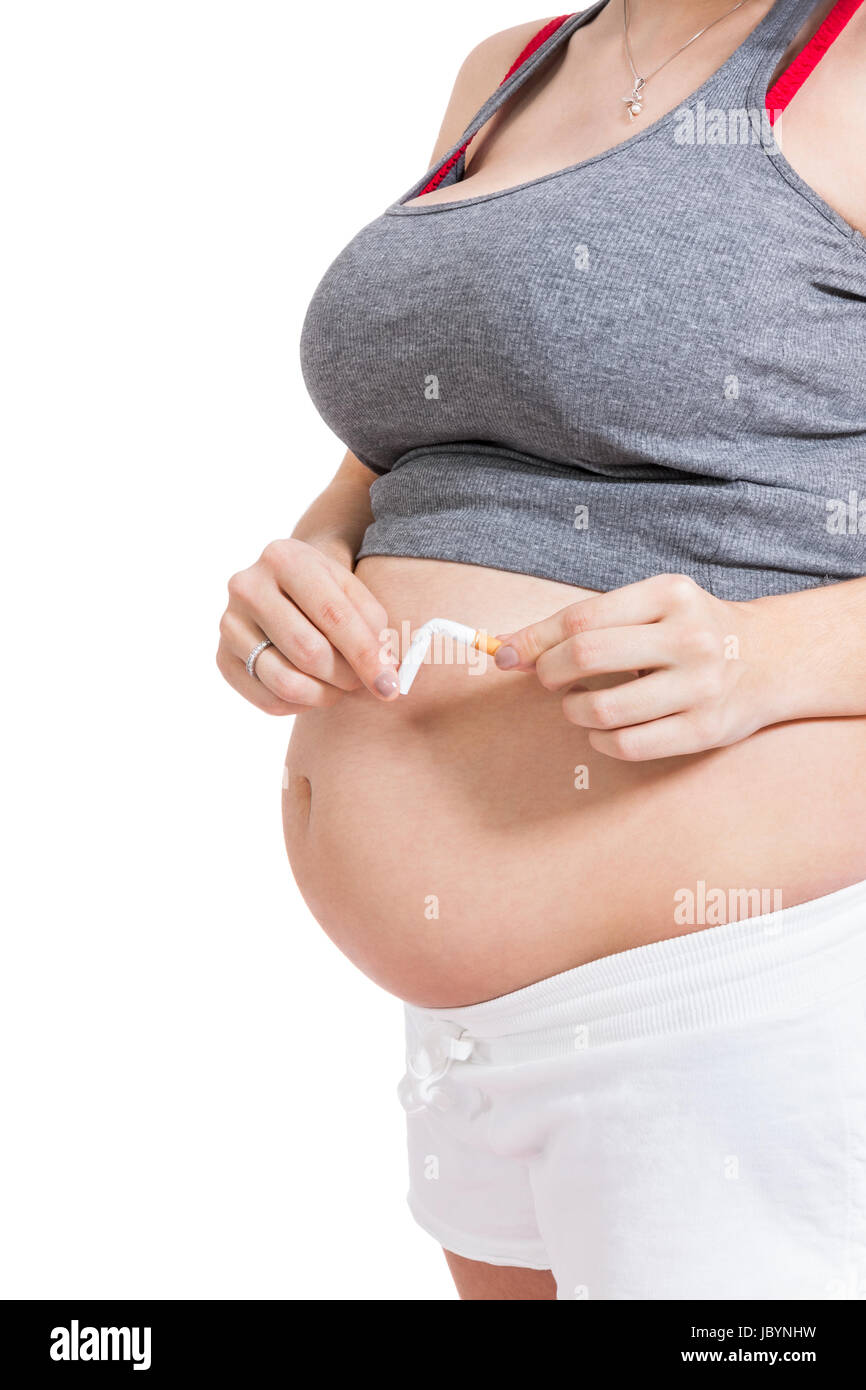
(682, 1120)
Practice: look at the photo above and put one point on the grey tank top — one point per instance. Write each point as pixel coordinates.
(651, 361)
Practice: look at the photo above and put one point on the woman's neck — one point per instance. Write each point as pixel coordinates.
(695, 12)
(657, 24)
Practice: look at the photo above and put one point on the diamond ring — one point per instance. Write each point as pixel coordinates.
(255, 654)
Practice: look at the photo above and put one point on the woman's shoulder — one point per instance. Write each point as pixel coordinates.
(480, 73)
(486, 59)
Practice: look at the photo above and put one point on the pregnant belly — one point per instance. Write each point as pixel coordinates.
(466, 840)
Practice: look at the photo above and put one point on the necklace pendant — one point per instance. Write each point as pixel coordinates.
(634, 103)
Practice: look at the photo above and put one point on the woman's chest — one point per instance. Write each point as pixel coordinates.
(609, 312)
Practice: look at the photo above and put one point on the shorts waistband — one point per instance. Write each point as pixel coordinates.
(739, 970)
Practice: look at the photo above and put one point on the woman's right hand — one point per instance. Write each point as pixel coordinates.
(327, 631)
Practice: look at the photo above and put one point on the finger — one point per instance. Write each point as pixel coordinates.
(333, 613)
(634, 702)
(292, 686)
(233, 670)
(673, 737)
(600, 653)
(647, 601)
(272, 670)
(292, 633)
(372, 611)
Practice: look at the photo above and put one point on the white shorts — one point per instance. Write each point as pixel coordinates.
(682, 1120)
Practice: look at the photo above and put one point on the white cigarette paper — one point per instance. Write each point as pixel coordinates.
(418, 647)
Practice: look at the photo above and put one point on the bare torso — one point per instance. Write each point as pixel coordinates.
(467, 840)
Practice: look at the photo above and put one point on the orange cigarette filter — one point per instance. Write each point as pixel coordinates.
(485, 643)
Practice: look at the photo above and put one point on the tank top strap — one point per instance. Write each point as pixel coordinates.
(744, 78)
(548, 39)
(544, 33)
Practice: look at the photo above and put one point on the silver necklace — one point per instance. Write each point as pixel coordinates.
(634, 104)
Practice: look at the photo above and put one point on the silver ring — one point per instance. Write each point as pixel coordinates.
(255, 654)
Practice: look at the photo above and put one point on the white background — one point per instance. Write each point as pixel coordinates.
(197, 1091)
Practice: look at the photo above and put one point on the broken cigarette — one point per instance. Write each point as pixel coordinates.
(418, 647)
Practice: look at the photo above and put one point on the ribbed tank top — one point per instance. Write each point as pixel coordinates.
(651, 361)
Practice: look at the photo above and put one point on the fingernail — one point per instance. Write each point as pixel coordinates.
(386, 683)
(507, 657)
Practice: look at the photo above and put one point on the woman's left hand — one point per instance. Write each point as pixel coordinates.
(702, 667)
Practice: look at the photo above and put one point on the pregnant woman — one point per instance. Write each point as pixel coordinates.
(602, 376)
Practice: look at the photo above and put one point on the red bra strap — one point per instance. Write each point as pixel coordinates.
(534, 43)
(541, 37)
(792, 79)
